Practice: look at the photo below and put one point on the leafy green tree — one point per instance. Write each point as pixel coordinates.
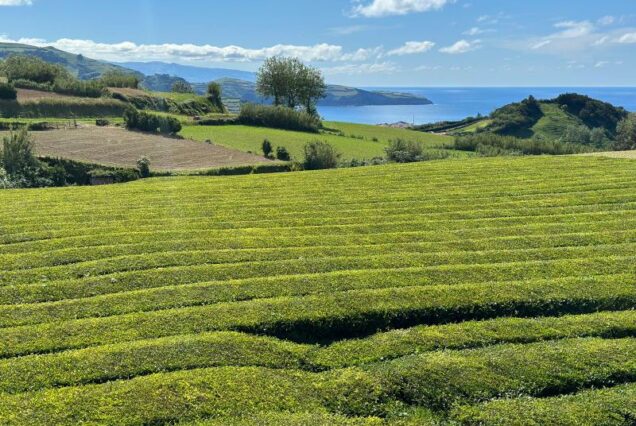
(143, 165)
(291, 83)
(215, 96)
(626, 133)
(181, 86)
(18, 159)
(320, 155)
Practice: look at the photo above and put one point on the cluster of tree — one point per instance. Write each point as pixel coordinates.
(281, 152)
(215, 96)
(626, 133)
(142, 121)
(491, 145)
(120, 79)
(182, 86)
(594, 113)
(291, 83)
(516, 118)
(22, 67)
(8, 92)
(583, 135)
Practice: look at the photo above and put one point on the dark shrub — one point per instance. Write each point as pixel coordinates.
(267, 148)
(136, 120)
(320, 155)
(278, 117)
(282, 154)
(102, 122)
(143, 166)
(403, 151)
(8, 92)
(120, 79)
(21, 67)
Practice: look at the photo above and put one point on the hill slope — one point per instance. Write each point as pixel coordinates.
(189, 73)
(78, 65)
(170, 300)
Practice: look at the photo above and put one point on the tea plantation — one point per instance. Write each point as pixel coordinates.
(485, 291)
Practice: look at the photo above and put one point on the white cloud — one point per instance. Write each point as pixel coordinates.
(412, 47)
(380, 8)
(629, 38)
(428, 68)
(462, 46)
(601, 64)
(541, 44)
(606, 20)
(474, 31)
(16, 2)
(125, 51)
(357, 69)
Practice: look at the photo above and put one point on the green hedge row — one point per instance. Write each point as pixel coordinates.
(436, 380)
(130, 359)
(331, 316)
(399, 343)
(271, 261)
(615, 406)
(382, 241)
(63, 108)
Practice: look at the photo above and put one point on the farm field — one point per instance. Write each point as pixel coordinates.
(357, 142)
(465, 291)
(112, 146)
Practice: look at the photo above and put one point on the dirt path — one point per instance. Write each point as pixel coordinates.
(119, 147)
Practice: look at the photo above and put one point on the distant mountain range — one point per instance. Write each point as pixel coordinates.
(236, 84)
(189, 73)
(80, 66)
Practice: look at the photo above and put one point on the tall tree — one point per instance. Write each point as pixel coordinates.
(291, 83)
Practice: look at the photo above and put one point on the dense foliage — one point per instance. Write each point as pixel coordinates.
(139, 120)
(19, 67)
(515, 119)
(63, 108)
(120, 79)
(291, 83)
(182, 86)
(626, 134)
(404, 151)
(594, 113)
(215, 96)
(278, 117)
(491, 145)
(8, 92)
(320, 155)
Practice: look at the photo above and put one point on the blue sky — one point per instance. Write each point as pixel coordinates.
(356, 42)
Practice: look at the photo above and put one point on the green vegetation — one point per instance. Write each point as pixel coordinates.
(626, 133)
(353, 141)
(48, 108)
(8, 92)
(492, 145)
(120, 79)
(136, 120)
(445, 292)
(402, 151)
(182, 87)
(278, 117)
(320, 155)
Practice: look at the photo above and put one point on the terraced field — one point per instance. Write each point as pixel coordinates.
(486, 291)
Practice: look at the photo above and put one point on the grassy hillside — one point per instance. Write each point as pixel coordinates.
(78, 65)
(554, 122)
(357, 143)
(325, 297)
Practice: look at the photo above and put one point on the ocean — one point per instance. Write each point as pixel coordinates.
(456, 103)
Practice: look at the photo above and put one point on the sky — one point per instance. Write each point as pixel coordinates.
(397, 43)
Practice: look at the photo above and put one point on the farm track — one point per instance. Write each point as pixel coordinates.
(466, 288)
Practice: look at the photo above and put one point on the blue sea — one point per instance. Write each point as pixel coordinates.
(456, 103)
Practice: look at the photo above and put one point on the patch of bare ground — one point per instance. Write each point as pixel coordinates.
(114, 146)
(614, 154)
